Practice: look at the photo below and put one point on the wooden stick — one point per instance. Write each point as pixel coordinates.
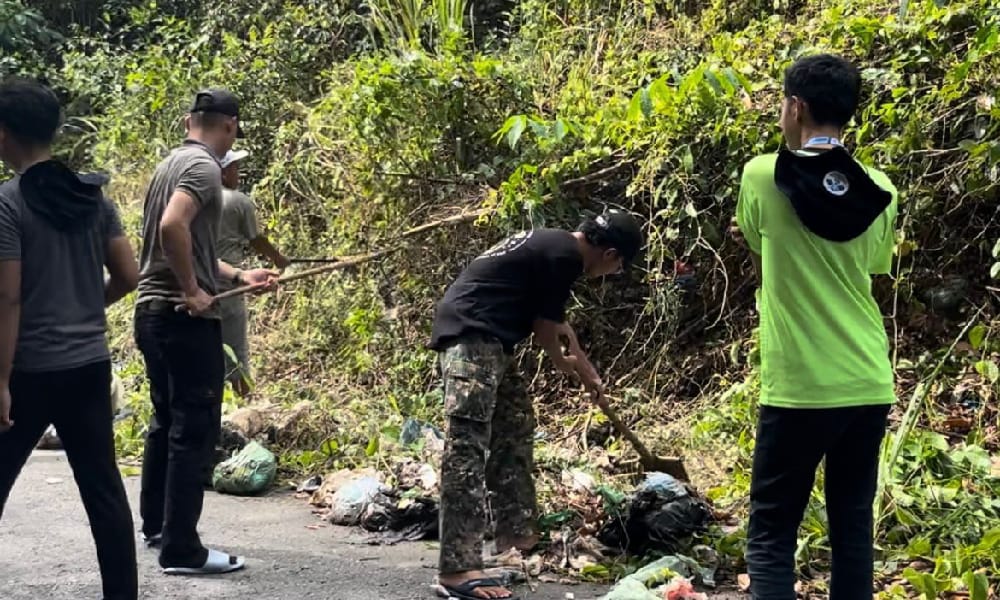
(361, 258)
(463, 217)
(342, 264)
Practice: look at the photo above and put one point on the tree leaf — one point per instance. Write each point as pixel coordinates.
(977, 584)
(372, 446)
(977, 335)
(995, 271)
(996, 249)
(922, 582)
(560, 130)
(687, 159)
(988, 370)
(515, 126)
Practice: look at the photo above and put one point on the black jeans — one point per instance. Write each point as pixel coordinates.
(790, 445)
(185, 366)
(78, 402)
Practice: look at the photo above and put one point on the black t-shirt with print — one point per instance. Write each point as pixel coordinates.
(525, 277)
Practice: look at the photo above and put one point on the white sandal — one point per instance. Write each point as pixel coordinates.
(217, 563)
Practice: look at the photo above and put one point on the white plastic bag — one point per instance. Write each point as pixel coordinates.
(350, 501)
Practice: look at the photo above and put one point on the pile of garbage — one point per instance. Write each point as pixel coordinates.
(662, 516)
(407, 510)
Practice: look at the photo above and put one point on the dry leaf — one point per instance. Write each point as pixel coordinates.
(743, 580)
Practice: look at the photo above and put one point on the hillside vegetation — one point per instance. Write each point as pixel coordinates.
(365, 119)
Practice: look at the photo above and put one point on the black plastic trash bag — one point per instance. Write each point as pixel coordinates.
(395, 518)
(662, 515)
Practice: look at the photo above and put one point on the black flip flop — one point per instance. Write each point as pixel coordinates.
(465, 590)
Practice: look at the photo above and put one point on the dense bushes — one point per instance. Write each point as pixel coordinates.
(365, 119)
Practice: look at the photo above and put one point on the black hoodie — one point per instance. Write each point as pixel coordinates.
(69, 202)
(58, 225)
(833, 195)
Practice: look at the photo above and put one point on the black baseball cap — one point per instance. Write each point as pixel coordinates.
(218, 101)
(623, 233)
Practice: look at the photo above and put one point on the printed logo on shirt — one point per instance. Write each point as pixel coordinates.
(836, 183)
(508, 245)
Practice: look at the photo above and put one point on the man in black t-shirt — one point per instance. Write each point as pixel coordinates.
(515, 289)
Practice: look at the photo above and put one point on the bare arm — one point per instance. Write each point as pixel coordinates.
(122, 268)
(262, 245)
(175, 237)
(227, 271)
(584, 368)
(10, 315)
(547, 336)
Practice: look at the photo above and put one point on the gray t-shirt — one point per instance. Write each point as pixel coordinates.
(194, 169)
(238, 228)
(62, 284)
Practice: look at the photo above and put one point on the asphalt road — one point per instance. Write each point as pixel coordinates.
(46, 551)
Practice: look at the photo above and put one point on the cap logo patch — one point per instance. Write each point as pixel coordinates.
(836, 183)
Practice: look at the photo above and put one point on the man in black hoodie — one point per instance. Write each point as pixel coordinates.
(57, 235)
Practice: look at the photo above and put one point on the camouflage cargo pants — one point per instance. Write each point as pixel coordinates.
(491, 425)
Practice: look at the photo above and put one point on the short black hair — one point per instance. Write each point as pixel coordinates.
(830, 85)
(208, 120)
(29, 111)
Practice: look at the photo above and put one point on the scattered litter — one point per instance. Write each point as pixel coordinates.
(578, 481)
(50, 440)
(323, 497)
(414, 430)
(54, 480)
(662, 514)
(412, 475)
(395, 518)
(249, 472)
(349, 503)
(743, 581)
(639, 585)
(680, 588)
(310, 485)
(510, 558)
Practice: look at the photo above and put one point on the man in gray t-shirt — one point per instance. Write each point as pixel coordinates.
(58, 234)
(239, 233)
(178, 332)
(194, 169)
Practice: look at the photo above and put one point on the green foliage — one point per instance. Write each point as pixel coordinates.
(365, 119)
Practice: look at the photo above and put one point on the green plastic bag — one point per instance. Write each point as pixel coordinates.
(248, 472)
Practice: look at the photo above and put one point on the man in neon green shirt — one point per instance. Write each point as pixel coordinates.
(818, 225)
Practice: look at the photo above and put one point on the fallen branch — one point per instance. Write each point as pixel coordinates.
(463, 217)
(351, 261)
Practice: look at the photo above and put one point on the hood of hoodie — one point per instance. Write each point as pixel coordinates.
(833, 195)
(66, 200)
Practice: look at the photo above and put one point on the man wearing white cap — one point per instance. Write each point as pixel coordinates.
(239, 231)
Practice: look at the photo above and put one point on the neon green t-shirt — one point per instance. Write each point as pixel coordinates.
(823, 343)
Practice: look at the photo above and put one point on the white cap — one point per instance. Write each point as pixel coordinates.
(233, 156)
